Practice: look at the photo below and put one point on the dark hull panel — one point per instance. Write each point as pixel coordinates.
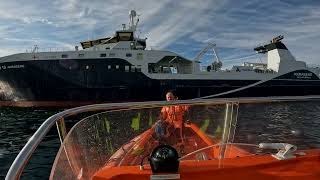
(94, 81)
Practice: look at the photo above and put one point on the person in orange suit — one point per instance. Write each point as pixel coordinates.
(172, 119)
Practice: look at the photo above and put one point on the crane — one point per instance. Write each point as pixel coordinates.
(216, 65)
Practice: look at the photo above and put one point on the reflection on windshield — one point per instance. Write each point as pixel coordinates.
(127, 137)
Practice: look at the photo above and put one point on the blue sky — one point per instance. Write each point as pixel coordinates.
(236, 26)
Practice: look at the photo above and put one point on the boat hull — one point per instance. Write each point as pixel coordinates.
(60, 82)
(250, 167)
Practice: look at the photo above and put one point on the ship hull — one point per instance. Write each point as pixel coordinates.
(78, 82)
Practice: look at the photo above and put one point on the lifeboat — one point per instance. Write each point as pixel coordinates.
(221, 138)
(202, 157)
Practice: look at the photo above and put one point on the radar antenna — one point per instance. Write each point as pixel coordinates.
(277, 39)
(263, 49)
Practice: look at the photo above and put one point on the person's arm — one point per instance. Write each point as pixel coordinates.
(164, 113)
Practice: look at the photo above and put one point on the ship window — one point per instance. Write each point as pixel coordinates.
(87, 66)
(81, 55)
(127, 68)
(139, 56)
(103, 55)
(151, 68)
(129, 55)
(107, 47)
(138, 69)
(109, 67)
(117, 66)
(64, 56)
(125, 36)
(112, 54)
(133, 68)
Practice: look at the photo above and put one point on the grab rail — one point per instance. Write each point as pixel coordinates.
(23, 157)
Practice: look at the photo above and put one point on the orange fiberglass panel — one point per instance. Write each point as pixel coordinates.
(250, 167)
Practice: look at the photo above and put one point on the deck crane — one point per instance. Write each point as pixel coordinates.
(217, 64)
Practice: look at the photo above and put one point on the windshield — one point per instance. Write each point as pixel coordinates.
(198, 131)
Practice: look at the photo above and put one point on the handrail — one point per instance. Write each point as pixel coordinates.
(23, 157)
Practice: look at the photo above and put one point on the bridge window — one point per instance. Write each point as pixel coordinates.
(138, 69)
(133, 68)
(126, 68)
(125, 36)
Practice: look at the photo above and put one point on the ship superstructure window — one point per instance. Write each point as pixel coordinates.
(81, 55)
(139, 56)
(125, 36)
(64, 56)
(126, 68)
(151, 68)
(138, 69)
(112, 54)
(87, 67)
(133, 68)
(117, 67)
(109, 67)
(103, 55)
(129, 55)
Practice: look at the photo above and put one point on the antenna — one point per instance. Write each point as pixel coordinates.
(132, 15)
(35, 49)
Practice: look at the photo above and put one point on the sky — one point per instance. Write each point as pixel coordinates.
(184, 27)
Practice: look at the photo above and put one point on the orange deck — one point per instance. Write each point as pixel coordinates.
(306, 167)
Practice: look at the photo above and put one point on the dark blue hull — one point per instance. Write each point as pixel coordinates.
(107, 80)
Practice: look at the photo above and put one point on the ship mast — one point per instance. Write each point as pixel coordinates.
(132, 24)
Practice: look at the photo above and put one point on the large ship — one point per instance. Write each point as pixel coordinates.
(120, 68)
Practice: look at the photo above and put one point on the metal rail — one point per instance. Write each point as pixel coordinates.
(23, 157)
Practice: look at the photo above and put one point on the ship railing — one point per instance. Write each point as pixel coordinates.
(58, 119)
(49, 49)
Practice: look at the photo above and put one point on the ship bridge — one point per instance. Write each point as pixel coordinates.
(171, 64)
(120, 36)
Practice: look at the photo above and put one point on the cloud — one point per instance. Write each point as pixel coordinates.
(184, 27)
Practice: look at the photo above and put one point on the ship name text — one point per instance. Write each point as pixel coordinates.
(15, 66)
(303, 75)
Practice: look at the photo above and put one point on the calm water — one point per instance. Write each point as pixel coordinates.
(16, 126)
(296, 123)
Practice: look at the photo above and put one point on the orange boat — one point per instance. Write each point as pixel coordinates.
(127, 142)
(207, 150)
(205, 161)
